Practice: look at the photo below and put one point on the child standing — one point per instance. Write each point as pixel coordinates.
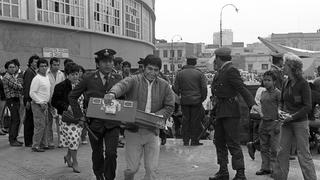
(269, 129)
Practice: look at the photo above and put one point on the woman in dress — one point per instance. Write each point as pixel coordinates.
(70, 132)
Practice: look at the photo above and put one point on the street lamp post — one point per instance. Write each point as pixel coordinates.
(221, 20)
(172, 57)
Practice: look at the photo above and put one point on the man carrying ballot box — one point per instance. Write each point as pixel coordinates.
(153, 95)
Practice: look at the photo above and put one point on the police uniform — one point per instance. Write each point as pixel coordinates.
(191, 84)
(226, 85)
(96, 85)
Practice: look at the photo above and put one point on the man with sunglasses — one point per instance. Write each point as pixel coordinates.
(153, 95)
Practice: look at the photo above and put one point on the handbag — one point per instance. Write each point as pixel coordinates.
(67, 117)
(6, 117)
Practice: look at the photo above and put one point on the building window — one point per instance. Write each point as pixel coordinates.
(66, 12)
(179, 53)
(165, 53)
(132, 18)
(156, 53)
(250, 67)
(165, 67)
(10, 8)
(171, 53)
(146, 25)
(264, 66)
(107, 16)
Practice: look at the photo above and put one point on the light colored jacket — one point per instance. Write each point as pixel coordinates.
(135, 88)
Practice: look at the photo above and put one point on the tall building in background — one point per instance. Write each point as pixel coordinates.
(309, 41)
(227, 37)
(76, 29)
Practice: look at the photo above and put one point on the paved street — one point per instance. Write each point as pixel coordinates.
(176, 162)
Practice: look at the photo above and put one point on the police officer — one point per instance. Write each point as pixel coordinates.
(96, 85)
(191, 85)
(226, 85)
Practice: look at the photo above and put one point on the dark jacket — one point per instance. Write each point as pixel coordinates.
(226, 85)
(27, 79)
(92, 86)
(296, 99)
(191, 84)
(60, 99)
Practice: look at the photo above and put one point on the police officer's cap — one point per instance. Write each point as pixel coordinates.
(104, 54)
(277, 54)
(118, 60)
(191, 58)
(224, 51)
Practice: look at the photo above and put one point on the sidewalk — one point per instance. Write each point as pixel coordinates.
(176, 162)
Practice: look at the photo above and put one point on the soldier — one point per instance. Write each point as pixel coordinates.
(226, 85)
(96, 85)
(191, 85)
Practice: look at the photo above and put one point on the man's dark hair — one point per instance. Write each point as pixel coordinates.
(224, 58)
(42, 61)
(7, 64)
(16, 62)
(126, 64)
(276, 60)
(54, 59)
(81, 68)
(152, 60)
(33, 57)
(71, 68)
(117, 60)
(66, 61)
(271, 74)
(192, 62)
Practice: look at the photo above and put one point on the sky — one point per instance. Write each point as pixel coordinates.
(196, 20)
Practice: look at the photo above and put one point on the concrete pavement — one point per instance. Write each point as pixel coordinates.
(176, 162)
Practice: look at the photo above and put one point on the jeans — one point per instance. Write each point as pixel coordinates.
(40, 118)
(14, 107)
(142, 143)
(300, 132)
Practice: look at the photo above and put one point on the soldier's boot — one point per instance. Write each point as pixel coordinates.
(222, 174)
(240, 175)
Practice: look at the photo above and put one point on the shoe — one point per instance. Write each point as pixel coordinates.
(197, 143)
(120, 144)
(37, 149)
(51, 146)
(28, 145)
(240, 175)
(222, 174)
(2, 133)
(84, 142)
(163, 141)
(67, 161)
(15, 144)
(100, 177)
(251, 150)
(75, 168)
(19, 142)
(263, 172)
(292, 157)
(4, 130)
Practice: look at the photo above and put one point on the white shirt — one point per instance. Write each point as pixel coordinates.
(40, 89)
(55, 80)
(149, 95)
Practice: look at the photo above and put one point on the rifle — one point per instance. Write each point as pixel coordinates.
(86, 126)
(211, 120)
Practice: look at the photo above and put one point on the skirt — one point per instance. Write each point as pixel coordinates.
(70, 135)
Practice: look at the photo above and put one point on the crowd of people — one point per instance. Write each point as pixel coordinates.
(50, 97)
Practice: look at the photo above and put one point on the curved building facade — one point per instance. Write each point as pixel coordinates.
(76, 29)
